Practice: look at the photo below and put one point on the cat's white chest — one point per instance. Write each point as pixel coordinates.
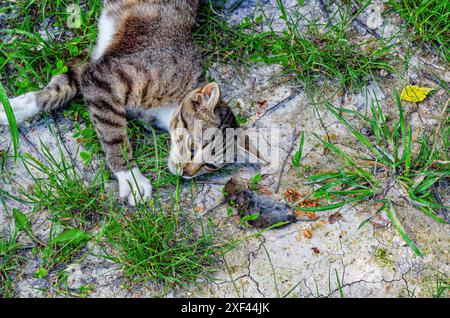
(161, 116)
(107, 28)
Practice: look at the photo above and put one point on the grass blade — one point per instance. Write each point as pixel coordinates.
(13, 129)
(401, 231)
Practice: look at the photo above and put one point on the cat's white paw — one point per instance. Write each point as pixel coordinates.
(128, 186)
(24, 107)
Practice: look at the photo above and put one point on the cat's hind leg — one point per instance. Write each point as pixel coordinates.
(24, 107)
(57, 93)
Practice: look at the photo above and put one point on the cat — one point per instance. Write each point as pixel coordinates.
(144, 63)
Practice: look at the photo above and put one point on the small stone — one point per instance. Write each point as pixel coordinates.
(315, 250)
(371, 17)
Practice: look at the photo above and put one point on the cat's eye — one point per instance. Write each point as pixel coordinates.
(192, 150)
(210, 166)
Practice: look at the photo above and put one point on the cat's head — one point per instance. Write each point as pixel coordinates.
(201, 134)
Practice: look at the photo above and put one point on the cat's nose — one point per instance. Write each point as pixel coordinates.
(191, 169)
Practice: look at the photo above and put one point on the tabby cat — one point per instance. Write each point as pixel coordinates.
(145, 64)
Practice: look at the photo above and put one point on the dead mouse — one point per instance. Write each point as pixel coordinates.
(247, 202)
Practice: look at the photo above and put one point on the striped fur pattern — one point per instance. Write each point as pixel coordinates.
(144, 63)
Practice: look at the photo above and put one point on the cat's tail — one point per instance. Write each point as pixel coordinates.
(61, 89)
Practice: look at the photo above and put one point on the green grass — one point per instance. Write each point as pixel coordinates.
(296, 161)
(339, 283)
(163, 242)
(37, 43)
(60, 187)
(35, 56)
(390, 163)
(74, 204)
(159, 241)
(11, 121)
(441, 285)
(9, 261)
(5, 172)
(429, 22)
(309, 55)
(435, 284)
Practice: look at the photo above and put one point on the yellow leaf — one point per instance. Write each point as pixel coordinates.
(414, 93)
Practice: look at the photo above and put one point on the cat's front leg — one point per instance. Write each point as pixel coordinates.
(110, 122)
(134, 186)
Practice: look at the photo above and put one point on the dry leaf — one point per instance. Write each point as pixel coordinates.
(262, 102)
(304, 215)
(292, 195)
(237, 218)
(307, 233)
(309, 203)
(330, 137)
(311, 215)
(334, 217)
(264, 190)
(299, 214)
(414, 93)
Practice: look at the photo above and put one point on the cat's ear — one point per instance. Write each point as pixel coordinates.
(208, 97)
(245, 146)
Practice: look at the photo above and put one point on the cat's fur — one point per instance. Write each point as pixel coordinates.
(144, 63)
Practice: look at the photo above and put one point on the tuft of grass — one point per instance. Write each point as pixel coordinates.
(162, 243)
(59, 186)
(296, 161)
(5, 172)
(390, 164)
(310, 55)
(38, 40)
(429, 20)
(441, 285)
(162, 240)
(65, 243)
(9, 261)
(73, 203)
